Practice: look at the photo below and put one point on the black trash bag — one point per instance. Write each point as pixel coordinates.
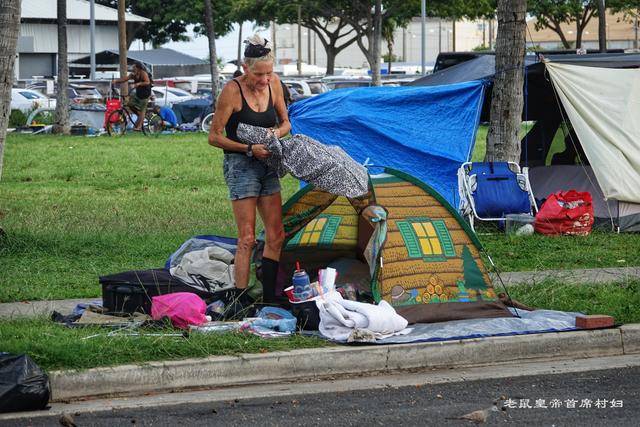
(23, 385)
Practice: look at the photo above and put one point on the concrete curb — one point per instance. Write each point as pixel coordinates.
(312, 364)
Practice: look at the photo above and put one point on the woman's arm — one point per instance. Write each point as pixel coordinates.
(224, 108)
(281, 109)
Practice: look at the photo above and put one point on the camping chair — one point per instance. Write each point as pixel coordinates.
(490, 191)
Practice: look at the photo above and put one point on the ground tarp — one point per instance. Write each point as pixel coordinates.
(424, 131)
(603, 106)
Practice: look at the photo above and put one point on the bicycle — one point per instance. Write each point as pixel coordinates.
(206, 122)
(118, 118)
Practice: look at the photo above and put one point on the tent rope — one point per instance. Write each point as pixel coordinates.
(497, 273)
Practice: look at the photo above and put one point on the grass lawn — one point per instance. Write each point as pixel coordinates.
(74, 208)
(53, 346)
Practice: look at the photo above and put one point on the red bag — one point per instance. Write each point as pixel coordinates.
(566, 212)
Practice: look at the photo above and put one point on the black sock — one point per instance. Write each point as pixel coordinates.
(269, 276)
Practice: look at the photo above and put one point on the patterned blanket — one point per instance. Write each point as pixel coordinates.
(328, 168)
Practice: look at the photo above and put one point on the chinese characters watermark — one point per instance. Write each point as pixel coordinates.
(566, 403)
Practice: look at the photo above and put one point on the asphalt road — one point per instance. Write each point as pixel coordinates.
(606, 397)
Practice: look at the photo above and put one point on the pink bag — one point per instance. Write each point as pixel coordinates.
(183, 308)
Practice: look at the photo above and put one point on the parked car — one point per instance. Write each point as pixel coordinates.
(84, 94)
(164, 95)
(338, 82)
(301, 89)
(317, 86)
(300, 86)
(27, 99)
(77, 93)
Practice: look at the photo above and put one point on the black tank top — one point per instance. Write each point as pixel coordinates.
(265, 119)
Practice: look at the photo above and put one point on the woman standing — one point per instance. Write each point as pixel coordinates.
(255, 98)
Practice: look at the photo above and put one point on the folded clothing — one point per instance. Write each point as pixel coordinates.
(339, 318)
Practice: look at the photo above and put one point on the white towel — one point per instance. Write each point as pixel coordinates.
(339, 318)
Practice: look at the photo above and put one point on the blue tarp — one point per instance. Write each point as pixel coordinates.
(424, 131)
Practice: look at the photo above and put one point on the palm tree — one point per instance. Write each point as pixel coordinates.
(9, 29)
(213, 56)
(388, 27)
(503, 143)
(62, 99)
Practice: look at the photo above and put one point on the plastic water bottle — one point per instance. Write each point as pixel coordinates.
(301, 284)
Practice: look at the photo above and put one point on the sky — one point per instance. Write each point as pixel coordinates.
(226, 47)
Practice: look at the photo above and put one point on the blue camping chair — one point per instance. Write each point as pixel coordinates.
(490, 191)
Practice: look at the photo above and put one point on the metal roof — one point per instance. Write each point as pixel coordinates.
(76, 10)
(161, 56)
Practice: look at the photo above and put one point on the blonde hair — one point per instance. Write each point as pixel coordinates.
(258, 40)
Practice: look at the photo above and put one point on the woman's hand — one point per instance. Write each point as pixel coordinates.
(260, 151)
(276, 132)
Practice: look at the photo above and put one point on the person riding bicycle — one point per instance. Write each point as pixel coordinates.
(140, 98)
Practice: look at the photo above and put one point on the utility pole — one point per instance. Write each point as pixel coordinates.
(273, 42)
(635, 29)
(490, 34)
(423, 37)
(453, 34)
(308, 46)
(439, 35)
(299, 61)
(404, 45)
(213, 55)
(239, 59)
(122, 44)
(92, 34)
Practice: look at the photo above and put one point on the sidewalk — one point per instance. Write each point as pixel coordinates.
(590, 275)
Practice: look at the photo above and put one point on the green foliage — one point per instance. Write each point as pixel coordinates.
(17, 118)
(390, 58)
(552, 13)
(170, 19)
(482, 48)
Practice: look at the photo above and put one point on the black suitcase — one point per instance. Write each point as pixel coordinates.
(132, 291)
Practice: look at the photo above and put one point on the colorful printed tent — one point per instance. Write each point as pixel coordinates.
(422, 257)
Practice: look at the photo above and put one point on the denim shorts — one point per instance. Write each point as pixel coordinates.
(248, 177)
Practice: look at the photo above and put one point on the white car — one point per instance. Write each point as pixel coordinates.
(26, 100)
(165, 95)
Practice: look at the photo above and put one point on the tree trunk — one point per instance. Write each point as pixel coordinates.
(122, 44)
(331, 60)
(602, 26)
(578, 35)
(390, 49)
(503, 143)
(62, 98)
(375, 49)
(9, 30)
(213, 56)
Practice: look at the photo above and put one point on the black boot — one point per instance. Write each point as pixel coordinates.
(269, 277)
